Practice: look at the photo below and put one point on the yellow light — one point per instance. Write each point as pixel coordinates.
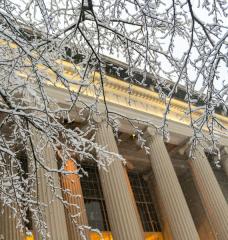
(105, 235)
(108, 236)
(153, 236)
(30, 237)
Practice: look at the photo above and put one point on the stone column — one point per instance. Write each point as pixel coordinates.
(165, 227)
(210, 193)
(54, 210)
(224, 159)
(8, 223)
(73, 195)
(170, 192)
(119, 200)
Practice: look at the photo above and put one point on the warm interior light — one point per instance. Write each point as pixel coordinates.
(153, 236)
(108, 236)
(105, 235)
(29, 237)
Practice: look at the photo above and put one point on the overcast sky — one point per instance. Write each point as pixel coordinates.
(181, 45)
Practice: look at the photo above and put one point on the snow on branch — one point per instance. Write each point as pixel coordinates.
(177, 48)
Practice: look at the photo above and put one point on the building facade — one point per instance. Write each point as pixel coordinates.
(160, 195)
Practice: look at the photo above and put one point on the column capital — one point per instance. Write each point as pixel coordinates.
(99, 118)
(224, 152)
(224, 158)
(150, 133)
(190, 150)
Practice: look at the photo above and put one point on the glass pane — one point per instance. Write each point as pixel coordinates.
(94, 200)
(144, 202)
(95, 214)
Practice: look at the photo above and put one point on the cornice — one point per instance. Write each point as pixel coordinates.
(140, 99)
(143, 95)
(139, 95)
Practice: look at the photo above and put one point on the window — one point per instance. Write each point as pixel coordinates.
(144, 203)
(94, 199)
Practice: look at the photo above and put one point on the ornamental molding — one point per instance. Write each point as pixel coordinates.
(117, 93)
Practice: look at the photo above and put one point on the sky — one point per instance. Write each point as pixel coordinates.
(180, 47)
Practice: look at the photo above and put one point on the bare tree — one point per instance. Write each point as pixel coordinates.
(165, 44)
